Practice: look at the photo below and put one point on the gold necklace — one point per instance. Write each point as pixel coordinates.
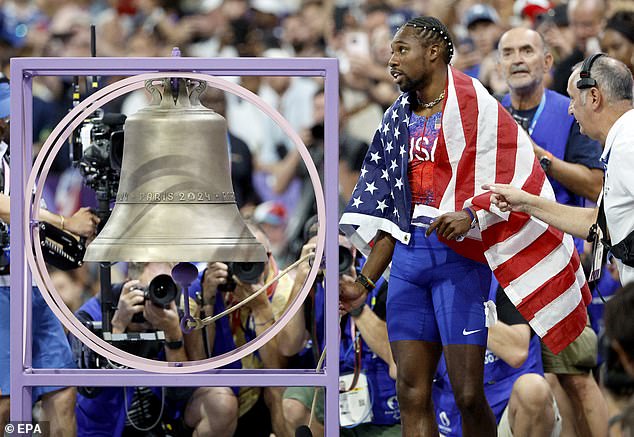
(433, 103)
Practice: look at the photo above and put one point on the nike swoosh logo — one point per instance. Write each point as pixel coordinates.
(465, 332)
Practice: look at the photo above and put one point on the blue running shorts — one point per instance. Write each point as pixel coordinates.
(436, 295)
(50, 345)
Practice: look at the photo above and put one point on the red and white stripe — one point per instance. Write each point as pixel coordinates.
(536, 264)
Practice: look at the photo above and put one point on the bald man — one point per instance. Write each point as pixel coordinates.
(570, 159)
(571, 162)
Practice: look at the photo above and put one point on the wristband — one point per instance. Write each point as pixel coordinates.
(472, 216)
(367, 283)
(174, 345)
(356, 312)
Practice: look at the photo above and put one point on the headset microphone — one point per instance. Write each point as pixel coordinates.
(585, 80)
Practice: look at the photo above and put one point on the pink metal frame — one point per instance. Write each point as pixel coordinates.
(24, 376)
(40, 171)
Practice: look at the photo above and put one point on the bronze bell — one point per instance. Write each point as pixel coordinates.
(175, 200)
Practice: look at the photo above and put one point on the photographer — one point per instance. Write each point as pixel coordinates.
(260, 410)
(366, 365)
(351, 152)
(50, 348)
(617, 373)
(126, 411)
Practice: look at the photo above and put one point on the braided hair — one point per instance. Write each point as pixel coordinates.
(431, 30)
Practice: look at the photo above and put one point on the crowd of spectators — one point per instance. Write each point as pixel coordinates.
(270, 180)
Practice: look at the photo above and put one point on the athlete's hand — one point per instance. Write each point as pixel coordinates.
(451, 225)
(351, 294)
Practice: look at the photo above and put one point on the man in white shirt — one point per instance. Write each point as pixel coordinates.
(601, 101)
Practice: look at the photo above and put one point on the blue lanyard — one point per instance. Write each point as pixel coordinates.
(540, 108)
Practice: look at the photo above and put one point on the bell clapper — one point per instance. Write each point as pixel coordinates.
(184, 274)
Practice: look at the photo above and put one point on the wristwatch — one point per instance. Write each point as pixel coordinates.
(545, 161)
(174, 345)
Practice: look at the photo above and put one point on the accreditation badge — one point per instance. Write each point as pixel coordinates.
(597, 255)
(355, 405)
(597, 246)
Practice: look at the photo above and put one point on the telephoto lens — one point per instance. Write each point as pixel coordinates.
(162, 291)
(248, 272)
(345, 260)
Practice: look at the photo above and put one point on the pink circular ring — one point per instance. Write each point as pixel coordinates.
(40, 171)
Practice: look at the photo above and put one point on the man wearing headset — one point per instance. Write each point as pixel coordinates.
(601, 101)
(571, 162)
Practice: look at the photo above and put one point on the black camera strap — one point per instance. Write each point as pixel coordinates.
(595, 236)
(624, 249)
(599, 234)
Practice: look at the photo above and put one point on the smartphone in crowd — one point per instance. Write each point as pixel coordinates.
(357, 43)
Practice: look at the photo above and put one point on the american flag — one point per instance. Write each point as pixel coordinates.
(536, 264)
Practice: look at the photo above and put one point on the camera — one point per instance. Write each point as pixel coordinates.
(357, 43)
(162, 291)
(4, 248)
(100, 145)
(345, 255)
(345, 261)
(247, 272)
(143, 344)
(85, 357)
(97, 151)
